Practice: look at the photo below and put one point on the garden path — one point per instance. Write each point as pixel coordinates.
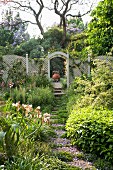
(61, 142)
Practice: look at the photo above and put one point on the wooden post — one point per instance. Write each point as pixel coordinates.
(89, 68)
(48, 66)
(67, 70)
(27, 64)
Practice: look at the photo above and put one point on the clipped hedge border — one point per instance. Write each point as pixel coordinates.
(92, 131)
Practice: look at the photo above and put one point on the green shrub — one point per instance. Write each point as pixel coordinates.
(41, 97)
(19, 94)
(96, 90)
(38, 81)
(92, 131)
(17, 73)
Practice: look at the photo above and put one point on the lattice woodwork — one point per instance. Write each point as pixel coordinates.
(45, 65)
(9, 60)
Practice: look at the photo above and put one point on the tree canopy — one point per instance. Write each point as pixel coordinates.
(100, 29)
(62, 8)
(12, 30)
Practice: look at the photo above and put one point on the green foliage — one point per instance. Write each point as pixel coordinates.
(103, 165)
(90, 107)
(100, 29)
(45, 134)
(91, 91)
(28, 47)
(77, 23)
(41, 97)
(17, 73)
(9, 136)
(19, 94)
(42, 81)
(38, 163)
(64, 156)
(16, 130)
(57, 64)
(38, 81)
(76, 46)
(37, 52)
(1, 68)
(37, 97)
(12, 29)
(91, 130)
(35, 90)
(8, 49)
(52, 39)
(6, 36)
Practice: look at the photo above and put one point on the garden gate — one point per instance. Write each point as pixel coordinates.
(57, 54)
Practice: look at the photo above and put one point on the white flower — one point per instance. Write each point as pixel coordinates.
(13, 104)
(46, 117)
(38, 108)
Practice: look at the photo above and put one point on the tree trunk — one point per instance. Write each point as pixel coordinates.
(40, 26)
(64, 32)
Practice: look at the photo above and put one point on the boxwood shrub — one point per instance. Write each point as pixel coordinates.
(92, 131)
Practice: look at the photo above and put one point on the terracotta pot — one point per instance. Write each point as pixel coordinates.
(56, 76)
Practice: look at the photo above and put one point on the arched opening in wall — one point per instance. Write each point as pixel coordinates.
(62, 66)
(58, 64)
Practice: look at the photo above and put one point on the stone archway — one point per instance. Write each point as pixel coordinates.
(62, 55)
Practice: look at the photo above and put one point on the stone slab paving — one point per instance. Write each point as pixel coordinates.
(57, 85)
(64, 144)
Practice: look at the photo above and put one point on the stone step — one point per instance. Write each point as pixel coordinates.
(58, 88)
(58, 91)
(58, 125)
(54, 121)
(59, 94)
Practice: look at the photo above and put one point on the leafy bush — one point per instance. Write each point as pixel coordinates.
(17, 73)
(41, 97)
(42, 81)
(19, 94)
(27, 46)
(91, 91)
(92, 131)
(19, 131)
(37, 91)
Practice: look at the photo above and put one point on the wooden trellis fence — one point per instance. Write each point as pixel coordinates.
(9, 60)
(76, 67)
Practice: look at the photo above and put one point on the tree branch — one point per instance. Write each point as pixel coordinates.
(17, 23)
(36, 14)
(80, 15)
